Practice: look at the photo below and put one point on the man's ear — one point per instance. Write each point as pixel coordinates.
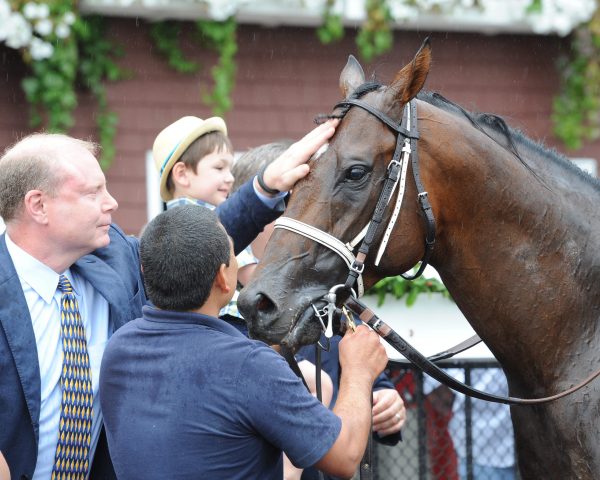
(35, 207)
(221, 279)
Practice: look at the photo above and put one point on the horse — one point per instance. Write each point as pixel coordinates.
(517, 245)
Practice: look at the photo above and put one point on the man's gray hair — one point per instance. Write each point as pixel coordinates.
(249, 163)
(33, 163)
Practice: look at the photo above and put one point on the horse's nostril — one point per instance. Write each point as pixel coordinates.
(264, 304)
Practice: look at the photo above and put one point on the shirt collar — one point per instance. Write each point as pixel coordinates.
(39, 276)
(157, 315)
(189, 201)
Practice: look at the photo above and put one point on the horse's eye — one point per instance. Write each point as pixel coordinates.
(355, 173)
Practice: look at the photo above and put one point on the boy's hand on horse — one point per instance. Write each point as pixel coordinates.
(291, 166)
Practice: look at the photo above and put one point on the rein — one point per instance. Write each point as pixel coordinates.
(426, 364)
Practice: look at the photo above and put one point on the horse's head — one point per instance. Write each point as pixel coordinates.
(339, 197)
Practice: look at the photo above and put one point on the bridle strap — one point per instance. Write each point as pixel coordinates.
(406, 130)
(425, 207)
(324, 238)
(426, 366)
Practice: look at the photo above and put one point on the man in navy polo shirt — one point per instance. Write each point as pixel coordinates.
(186, 395)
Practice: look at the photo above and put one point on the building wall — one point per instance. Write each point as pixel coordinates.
(285, 77)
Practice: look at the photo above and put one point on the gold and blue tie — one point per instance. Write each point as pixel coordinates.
(71, 460)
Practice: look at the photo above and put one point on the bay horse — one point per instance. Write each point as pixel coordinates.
(517, 245)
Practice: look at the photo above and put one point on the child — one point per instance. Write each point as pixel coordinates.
(194, 158)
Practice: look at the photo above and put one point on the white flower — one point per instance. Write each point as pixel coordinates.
(69, 18)
(62, 30)
(43, 10)
(30, 10)
(18, 31)
(44, 27)
(40, 50)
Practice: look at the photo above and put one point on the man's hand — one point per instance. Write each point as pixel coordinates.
(389, 412)
(361, 353)
(291, 165)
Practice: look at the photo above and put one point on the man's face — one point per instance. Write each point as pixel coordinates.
(79, 216)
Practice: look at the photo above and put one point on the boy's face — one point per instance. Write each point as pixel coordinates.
(212, 180)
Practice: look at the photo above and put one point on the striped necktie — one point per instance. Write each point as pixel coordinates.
(71, 460)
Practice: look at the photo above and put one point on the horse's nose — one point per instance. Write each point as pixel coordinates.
(261, 314)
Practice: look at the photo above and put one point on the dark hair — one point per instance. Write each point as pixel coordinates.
(201, 147)
(248, 164)
(181, 252)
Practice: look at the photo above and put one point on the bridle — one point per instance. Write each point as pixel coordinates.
(406, 148)
(405, 151)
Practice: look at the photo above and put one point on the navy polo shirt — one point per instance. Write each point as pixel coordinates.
(188, 396)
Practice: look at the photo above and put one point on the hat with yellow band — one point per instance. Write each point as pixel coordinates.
(172, 141)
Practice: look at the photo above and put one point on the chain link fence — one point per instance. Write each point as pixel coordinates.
(448, 436)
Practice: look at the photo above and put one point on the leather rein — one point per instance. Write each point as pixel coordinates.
(406, 148)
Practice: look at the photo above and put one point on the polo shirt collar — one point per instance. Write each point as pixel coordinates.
(156, 315)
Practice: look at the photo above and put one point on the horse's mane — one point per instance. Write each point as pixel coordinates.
(510, 139)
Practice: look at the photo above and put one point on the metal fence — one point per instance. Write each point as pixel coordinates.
(448, 436)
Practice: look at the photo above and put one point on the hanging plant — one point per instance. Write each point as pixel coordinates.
(96, 66)
(375, 36)
(576, 110)
(221, 36)
(332, 28)
(57, 45)
(166, 39)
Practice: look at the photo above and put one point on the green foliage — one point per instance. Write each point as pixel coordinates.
(576, 109)
(221, 36)
(50, 89)
(399, 288)
(375, 36)
(332, 28)
(96, 65)
(166, 38)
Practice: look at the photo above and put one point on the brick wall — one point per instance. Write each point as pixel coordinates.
(285, 76)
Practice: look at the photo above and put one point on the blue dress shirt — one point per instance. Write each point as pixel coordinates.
(39, 284)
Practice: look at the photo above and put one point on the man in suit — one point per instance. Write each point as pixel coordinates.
(62, 260)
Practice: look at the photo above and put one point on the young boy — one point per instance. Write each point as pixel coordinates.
(185, 395)
(194, 158)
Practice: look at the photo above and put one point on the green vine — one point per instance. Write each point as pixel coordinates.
(221, 36)
(399, 288)
(166, 39)
(375, 36)
(95, 66)
(332, 28)
(50, 89)
(576, 109)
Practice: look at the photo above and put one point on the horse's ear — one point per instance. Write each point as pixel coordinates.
(410, 80)
(352, 76)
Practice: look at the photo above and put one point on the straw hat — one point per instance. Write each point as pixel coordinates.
(175, 139)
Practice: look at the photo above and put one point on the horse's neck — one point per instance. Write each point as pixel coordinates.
(521, 259)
